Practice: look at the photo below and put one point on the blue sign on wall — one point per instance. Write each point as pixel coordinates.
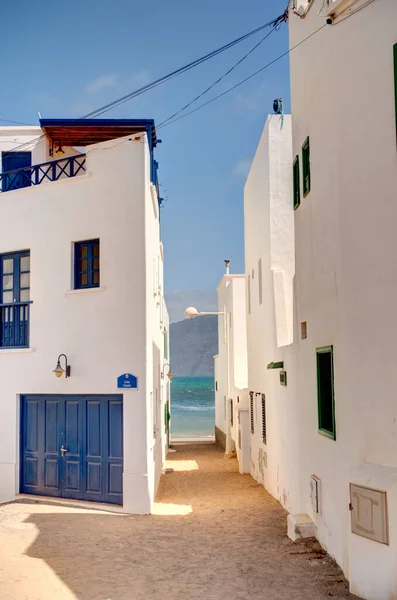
(127, 381)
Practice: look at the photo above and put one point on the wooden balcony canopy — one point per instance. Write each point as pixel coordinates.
(83, 132)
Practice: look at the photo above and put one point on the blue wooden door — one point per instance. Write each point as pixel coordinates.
(11, 161)
(72, 447)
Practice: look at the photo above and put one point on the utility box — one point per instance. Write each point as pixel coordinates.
(368, 509)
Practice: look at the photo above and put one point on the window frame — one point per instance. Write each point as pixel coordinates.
(306, 175)
(264, 420)
(326, 432)
(252, 416)
(15, 315)
(90, 270)
(395, 81)
(296, 182)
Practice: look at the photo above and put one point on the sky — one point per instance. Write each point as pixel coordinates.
(64, 60)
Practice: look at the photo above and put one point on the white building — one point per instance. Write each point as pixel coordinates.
(231, 405)
(270, 265)
(82, 275)
(329, 440)
(343, 83)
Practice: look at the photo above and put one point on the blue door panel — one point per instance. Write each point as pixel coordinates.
(94, 477)
(51, 473)
(32, 439)
(31, 471)
(90, 430)
(115, 479)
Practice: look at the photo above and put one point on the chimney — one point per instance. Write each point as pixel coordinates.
(227, 262)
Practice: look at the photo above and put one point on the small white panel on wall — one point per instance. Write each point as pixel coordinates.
(315, 493)
(369, 513)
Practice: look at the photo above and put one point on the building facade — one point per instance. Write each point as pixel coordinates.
(321, 296)
(81, 265)
(270, 266)
(231, 407)
(345, 187)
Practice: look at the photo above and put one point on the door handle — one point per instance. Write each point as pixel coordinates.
(63, 450)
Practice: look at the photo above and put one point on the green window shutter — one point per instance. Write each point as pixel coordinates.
(306, 167)
(325, 391)
(296, 182)
(395, 78)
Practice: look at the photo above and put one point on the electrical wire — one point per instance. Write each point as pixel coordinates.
(16, 122)
(274, 22)
(219, 79)
(184, 69)
(246, 79)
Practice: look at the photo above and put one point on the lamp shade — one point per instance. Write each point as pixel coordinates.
(58, 370)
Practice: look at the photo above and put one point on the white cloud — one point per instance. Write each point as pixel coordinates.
(139, 79)
(102, 82)
(242, 168)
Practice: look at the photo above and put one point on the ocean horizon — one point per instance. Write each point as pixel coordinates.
(192, 407)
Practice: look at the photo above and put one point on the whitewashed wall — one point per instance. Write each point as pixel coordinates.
(342, 85)
(231, 295)
(269, 263)
(105, 331)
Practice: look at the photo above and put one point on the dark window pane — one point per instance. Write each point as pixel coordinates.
(95, 277)
(82, 251)
(83, 265)
(25, 280)
(325, 392)
(95, 251)
(8, 265)
(25, 263)
(95, 263)
(83, 279)
(8, 282)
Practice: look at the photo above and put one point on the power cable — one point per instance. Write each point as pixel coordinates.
(246, 79)
(16, 122)
(219, 79)
(191, 65)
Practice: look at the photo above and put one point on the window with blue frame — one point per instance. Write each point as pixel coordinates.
(86, 264)
(15, 299)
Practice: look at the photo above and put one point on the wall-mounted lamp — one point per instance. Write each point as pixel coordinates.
(59, 151)
(58, 369)
(169, 374)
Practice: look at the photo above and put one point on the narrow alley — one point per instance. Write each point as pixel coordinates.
(215, 534)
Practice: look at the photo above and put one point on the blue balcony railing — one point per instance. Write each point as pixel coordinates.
(48, 171)
(14, 320)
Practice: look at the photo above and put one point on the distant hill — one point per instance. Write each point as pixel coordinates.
(194, 342)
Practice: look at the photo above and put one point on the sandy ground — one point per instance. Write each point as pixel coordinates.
(215, 535)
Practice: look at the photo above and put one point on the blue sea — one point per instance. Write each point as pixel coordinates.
(192, 407)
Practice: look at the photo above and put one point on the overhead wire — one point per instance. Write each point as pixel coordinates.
(244, 80)
(219, 79)
(16, 122)
(180, 70)
(139, 91)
